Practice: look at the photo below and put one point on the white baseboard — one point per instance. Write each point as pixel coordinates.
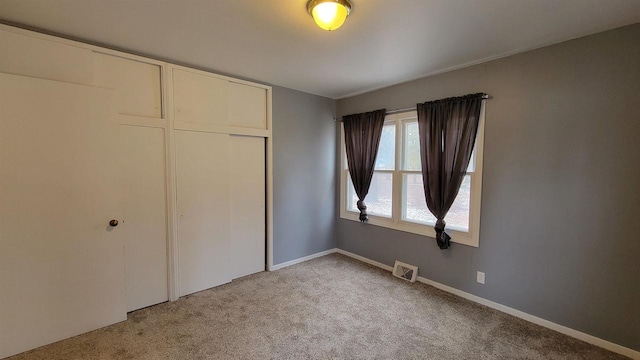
(366, 260)
(303, 259)
(511, 311)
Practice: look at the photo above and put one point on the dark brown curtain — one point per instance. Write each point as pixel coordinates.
(447, 129)
(362, 136)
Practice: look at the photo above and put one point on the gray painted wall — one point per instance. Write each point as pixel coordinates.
(303, 174)
(561, 186)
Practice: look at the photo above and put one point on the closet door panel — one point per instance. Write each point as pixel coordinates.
(247, 106)
(137, 84)
(61, 263)
(202, 170)
(247, 192)
(200, 98)
(25, 55)
(144, 224)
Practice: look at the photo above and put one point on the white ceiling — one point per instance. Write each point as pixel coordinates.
(383, 42)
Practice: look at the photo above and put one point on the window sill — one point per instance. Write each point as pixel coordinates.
(464, 238)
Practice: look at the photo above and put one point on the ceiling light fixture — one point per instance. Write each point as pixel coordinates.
(329, 14)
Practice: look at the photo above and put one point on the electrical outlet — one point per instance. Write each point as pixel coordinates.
(480, 277)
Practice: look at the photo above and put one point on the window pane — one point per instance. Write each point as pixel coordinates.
(352, 198)
(472, 162)
(458, 216)
(344, 161)
(414, 207)
(378, 199)
(411, 147)
(386, 159)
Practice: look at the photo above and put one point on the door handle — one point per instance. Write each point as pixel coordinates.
(113, 222)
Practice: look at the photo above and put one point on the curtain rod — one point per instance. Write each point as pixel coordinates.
(397, 111)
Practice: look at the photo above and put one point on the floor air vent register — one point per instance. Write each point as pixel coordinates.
(405, 271)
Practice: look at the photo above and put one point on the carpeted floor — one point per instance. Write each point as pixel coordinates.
(328, 308)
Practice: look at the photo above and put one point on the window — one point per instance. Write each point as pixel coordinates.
(396, 196)
(379, 198)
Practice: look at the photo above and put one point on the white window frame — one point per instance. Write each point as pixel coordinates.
(470, 238)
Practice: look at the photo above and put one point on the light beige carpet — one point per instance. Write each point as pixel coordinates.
(328, 308)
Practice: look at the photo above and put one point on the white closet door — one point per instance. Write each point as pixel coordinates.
(61, 264)
(247, 106)
(247, 192)
(200, 98)
(144, 223)
(202, 168)
(137, 84)
(29, 56)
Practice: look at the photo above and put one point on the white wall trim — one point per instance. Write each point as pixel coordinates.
(511, 311)
(303, 259)
(366, 260)
(269, 179)
(173, 257)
